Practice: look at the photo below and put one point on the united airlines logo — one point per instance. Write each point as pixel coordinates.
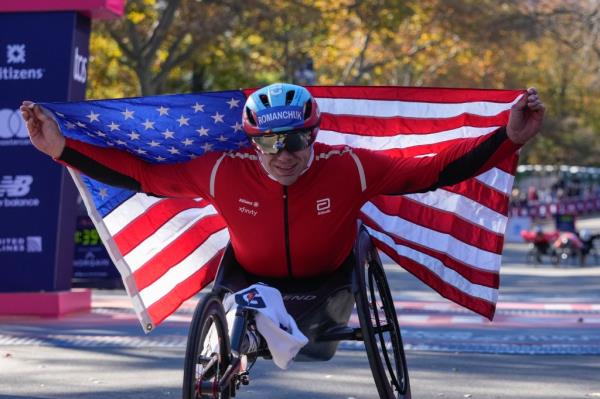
(13, 189)
(29, 244)
(16, 55)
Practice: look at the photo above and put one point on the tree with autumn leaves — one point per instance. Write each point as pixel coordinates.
(197, 45)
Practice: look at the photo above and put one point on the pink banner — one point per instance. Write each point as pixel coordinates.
(565, 207)
(95, 9)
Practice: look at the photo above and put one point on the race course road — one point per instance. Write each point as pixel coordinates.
(543, 343)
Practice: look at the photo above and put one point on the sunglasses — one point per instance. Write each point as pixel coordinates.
(292, 141)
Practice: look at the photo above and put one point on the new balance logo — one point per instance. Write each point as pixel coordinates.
(17, 186)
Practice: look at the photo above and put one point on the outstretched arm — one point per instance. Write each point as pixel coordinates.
(44, 132)
(526, 117)
(115, 167)
(460, 161)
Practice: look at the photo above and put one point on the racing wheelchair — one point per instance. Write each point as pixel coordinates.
(216, 366)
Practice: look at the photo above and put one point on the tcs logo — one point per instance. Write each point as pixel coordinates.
(12, 125)
(15, 186)
(79, 67)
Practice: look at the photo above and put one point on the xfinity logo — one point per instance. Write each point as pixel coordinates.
(248, 211)
(79, 67)
(13, 189)
(15, 54)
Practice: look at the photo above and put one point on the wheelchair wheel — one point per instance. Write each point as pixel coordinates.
(381, 333)
(207, 351)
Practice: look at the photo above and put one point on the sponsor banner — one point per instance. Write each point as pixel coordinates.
(43, 57)
(564, 207)
(91, 261)
(29, 244)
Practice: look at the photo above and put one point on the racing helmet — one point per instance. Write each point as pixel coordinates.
(274, 114)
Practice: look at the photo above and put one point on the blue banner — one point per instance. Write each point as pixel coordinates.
(43, 57)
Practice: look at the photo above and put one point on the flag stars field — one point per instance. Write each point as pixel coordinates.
(218, 117)
(93, 117)
(233, 103)
(183, 121)
(168, 134)
(148, 124)
(113, 126)
(128, 114)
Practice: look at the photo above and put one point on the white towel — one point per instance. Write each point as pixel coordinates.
(275, 324)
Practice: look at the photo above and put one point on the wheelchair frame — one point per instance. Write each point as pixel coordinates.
(222, 371)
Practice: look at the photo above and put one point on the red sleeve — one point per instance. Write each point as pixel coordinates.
(121, 169)
(467, 158)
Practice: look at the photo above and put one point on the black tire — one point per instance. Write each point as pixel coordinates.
(381, 333)
(202, 363)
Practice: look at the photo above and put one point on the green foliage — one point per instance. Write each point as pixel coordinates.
(195, 45)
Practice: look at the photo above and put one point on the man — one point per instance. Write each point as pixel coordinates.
(290, 204)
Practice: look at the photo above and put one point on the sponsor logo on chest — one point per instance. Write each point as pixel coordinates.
(248, 207)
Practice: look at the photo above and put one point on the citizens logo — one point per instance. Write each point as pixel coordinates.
(13, 130)
(16, 55)
(79, 67)
(29, 244)
(13, 189)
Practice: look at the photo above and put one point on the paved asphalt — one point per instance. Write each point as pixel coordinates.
(543, 343)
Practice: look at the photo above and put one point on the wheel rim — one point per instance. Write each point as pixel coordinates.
(209, 360)
(387, 332)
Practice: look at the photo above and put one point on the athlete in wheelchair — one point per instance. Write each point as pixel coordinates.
(291, 207)
(322, 309)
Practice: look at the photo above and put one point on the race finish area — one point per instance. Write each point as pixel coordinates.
(546, 319)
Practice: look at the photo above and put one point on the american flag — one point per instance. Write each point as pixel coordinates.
(168, 249)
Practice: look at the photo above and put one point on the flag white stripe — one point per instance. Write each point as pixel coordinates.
(464, 208)
(436, 267)
(497, 179)
(400, 141)
(121, 216)
(165, 235)
(406, 109)
(435, 240)
(186, 268)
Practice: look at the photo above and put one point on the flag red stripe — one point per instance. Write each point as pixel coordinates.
(169, 303)
(414, 94)
(473, 274)
(440, 221)
(476, 304)
(481, 193)
(372, 126)
(177, 250)
(153, 219)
